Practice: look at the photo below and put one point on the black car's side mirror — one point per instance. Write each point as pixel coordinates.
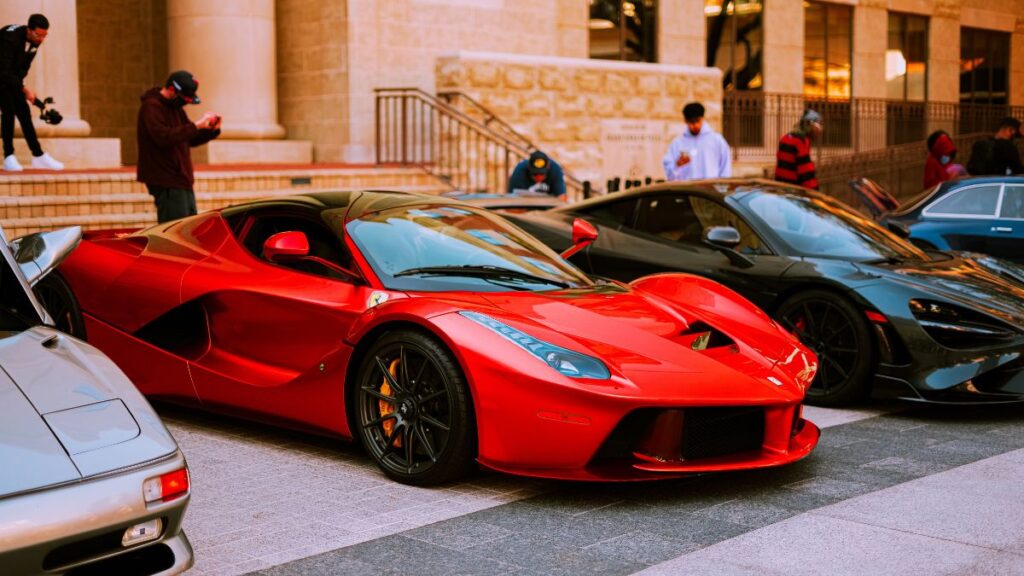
(724, 236)
(725, 239)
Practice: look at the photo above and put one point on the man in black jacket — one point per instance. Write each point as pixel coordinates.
(18, 47)
(997, 156)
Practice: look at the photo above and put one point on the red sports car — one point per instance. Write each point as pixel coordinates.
(439, 335)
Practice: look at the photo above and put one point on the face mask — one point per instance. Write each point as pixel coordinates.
(944, 160)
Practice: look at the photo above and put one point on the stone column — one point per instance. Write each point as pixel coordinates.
(1017, 64)
(870, 40)
(54, 71)
(784, 47)
(944, 65)
(229, 47)
(682, 33)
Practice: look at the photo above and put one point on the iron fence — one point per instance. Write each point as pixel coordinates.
(753, 122)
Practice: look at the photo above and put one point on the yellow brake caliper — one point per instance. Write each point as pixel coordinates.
(386, 407)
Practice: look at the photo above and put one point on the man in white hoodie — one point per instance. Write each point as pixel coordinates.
(699, 152)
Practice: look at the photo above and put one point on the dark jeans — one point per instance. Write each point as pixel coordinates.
(13, 104)
(172, 203)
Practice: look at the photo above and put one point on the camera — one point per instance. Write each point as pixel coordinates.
(50, 116)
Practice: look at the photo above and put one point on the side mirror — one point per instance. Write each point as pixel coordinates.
(725, 239)
(724, 236)
(39, 254)
(285, 245)
(583, 235)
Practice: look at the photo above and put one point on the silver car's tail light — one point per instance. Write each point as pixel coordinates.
(166, 487)
(142, 532)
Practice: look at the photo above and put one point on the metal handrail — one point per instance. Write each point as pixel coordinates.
(416, 128)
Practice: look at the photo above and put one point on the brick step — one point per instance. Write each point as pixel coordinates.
(12, 207)
(123, 182)
(21, 215)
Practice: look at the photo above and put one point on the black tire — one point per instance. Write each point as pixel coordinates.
(416, 424)
(54, 293)
(840, 335)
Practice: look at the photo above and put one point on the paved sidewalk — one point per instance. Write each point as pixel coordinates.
(969, 520)
(621, 529)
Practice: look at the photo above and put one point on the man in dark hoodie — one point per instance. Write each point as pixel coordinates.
(165, 136)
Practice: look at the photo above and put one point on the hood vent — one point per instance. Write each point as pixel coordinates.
(701, 336)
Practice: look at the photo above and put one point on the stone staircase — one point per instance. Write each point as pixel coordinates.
(30, 202)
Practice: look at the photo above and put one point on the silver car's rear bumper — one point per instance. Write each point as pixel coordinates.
(79, 526)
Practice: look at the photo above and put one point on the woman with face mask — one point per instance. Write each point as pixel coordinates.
(939, 167)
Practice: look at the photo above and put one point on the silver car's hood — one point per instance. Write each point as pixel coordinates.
(30, 454)
(67, 412)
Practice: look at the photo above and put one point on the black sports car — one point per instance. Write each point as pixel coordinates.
(881, 314)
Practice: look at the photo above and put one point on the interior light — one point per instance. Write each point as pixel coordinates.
(600, 24)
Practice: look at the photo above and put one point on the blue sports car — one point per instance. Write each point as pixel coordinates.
(984, 215)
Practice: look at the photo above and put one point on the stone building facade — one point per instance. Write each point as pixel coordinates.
(294, 79)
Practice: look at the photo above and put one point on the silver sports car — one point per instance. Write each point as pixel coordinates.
(90, 480)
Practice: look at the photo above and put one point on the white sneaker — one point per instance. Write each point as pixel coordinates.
(11, 164)
(46, 162)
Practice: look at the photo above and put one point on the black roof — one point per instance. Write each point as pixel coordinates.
(359, 202)
(715, 187)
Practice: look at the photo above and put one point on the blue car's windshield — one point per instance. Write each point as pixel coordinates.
(812, 225)
(446, 247)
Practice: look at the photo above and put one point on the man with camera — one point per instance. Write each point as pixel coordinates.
(18, 47)
(165, 136)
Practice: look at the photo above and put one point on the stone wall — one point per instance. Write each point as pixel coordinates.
(395, 43)
(312, 73)
(592, 116)
(122, 52)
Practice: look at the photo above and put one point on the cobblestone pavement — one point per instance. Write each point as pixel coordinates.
(281, 503)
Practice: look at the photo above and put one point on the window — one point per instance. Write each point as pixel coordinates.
(683, 218)
(972, 201)
(828, 41)
(984, 67)
(711, 213)
(906, 68)
(1013, 203)
(735, 39)
(327, 257)
(623, 30)
(619, 213)
(670, 217)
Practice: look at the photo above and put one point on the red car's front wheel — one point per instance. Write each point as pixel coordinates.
(413, 411)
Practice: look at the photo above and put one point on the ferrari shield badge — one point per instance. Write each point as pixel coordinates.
(376, 298)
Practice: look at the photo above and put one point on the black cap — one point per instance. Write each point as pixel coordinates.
(539, 163)
(185, 84)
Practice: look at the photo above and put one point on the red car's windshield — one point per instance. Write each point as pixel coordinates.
(438, 248)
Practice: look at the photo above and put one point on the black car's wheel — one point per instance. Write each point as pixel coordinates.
(56, 296)
(413, 410)
(839, 334)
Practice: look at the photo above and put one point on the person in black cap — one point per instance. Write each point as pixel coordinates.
(538, 173)
(165, 135)
(18, 47)
(997, 156)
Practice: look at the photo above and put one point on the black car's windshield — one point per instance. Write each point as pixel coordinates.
(817, 226)
(438, 248)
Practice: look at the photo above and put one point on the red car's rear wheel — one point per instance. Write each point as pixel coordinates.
(413, 411)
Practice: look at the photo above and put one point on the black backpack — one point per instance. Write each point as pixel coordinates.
(982, 160)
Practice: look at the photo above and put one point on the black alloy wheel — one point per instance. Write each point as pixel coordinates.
(839, 334)
(56, 296)
(413, 410)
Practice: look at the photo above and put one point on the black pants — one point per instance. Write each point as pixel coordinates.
(172, 203)
(13, 104)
